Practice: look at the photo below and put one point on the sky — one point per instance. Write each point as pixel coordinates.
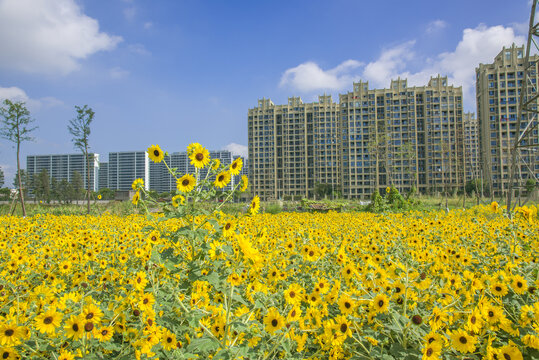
(173, 72)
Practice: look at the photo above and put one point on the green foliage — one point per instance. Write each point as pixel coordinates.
(530, 186)
(2, 179)
(393, 201)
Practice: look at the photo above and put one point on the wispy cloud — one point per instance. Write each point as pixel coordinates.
(310, 76)
(435, 26)
(118, 73)
(237, 149)
(14, 93)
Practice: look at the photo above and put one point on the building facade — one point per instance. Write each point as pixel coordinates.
(103, 176)
(62, 166)
(402, 136)
(498, 88)
(125, 167)
(470, 142)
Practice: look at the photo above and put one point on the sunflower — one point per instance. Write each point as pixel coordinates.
(137, 184)
(48, 321)
(200, 157)
(342, 326)
(8, 354)
(273, 320)
(462, 342)
(66, 355)
(104, 334)
(499, 288)
(177, 200)
(380, 303)
(92, 313)
(186, 183)
(244, 183)
(74, 327)
(222, 179)
(255, 205)
(136, 198)
(293, 294)
(510, 351)
(294, 314)
(519, 284)
(347, 305)
(168, 340)
(140, 281)
(216, 163)
(99, 197)
(432, 351)
(228, 228)
(10, 335)
(236, 166)
(155, 153)
(146, 302)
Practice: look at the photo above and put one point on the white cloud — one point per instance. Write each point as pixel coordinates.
(130, 13)
(237, 149)
(148, 25)
(478, 45)
(118, 73)
(436, 25)
(48, 36)
(310, 77)
(138, 49)
(17, 94)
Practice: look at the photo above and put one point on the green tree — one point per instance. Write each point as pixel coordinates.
(16, 122)
(77, 185)
(530, 186)
(80, 129)
(2, 179)
(42, 189)
(321, 190)
(55, 189)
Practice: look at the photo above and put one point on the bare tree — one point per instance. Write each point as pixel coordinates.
(80, 129)
(16, 121)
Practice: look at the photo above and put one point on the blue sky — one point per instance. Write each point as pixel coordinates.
(174, 72)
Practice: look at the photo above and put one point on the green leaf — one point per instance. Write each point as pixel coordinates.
(203, 345)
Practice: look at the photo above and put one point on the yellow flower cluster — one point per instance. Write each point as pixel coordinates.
(334, 286)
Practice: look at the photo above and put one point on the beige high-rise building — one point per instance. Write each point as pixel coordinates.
(470, 142)
(498, 88)
(402, 136)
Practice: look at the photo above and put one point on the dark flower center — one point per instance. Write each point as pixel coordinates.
(519, 284)
(463, 340)
(498, 288)
(416, 319)
(292, 294)
(199, 156)
(507, 356)
(89, 316)
(293, 313)
(156, 153)
(89, 326)
(185, 182)
(75, 327)
(104, 332)
(381, 303)
(234, 165)
(227, 226)
(169, 339)
(429, 351)
(274, 322)
(473, 319)
(145, 301)
(48, 320)
(221, 178)
(491, 313)
(9, 332)
(344, 327)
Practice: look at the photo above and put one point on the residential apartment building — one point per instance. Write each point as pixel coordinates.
(470, 142)
(103, 176)
(62, 166)
(498, 88)
(402, 136)
(124, 167)
(293, 147)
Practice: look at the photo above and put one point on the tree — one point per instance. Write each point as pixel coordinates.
(42, 189)
(1, 177)
(322, 190)
(16, 128)
(80, 129)
(77, 186)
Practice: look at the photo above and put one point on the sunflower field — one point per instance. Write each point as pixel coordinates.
(187, 283)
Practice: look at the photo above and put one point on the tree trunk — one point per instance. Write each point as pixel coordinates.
(21, 195)
(88, 178)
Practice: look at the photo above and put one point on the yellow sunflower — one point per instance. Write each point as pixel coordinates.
(244, 183)
(155, 153)
(380, 303)
(168, 340)
(200, 157)
(177, 200)
(273, 320)
(104, 334)
(236, 166)
(462, 342)
(10, 335)
(74, 327)
(222, 179)
(137, 184)
(66, 355)
(48, 321)
(186, 183)
(255, 205)
(136, 198)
